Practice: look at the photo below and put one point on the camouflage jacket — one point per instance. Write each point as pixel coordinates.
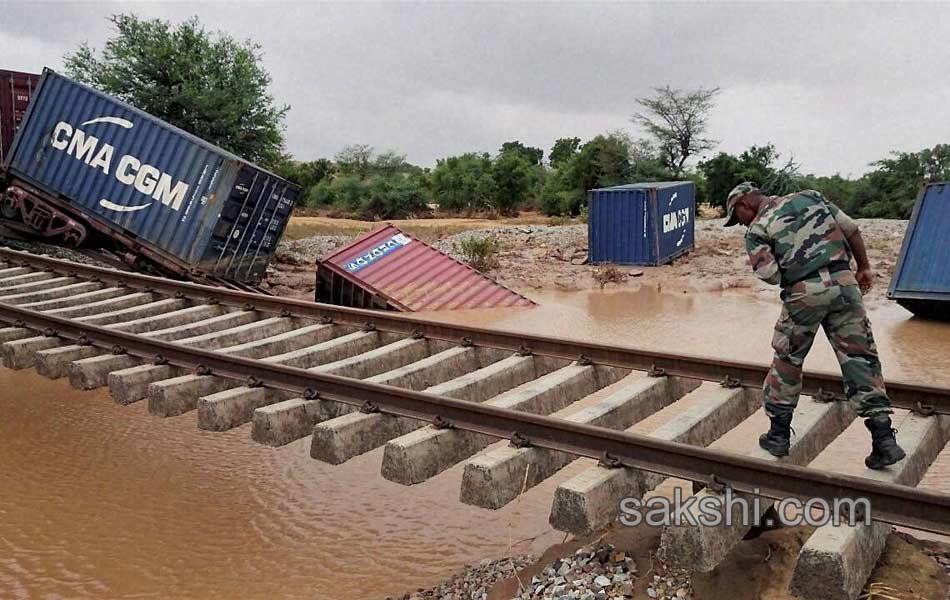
(793, 236)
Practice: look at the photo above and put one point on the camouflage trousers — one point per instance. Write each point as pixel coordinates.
(834, 303)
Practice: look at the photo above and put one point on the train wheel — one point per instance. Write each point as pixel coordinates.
(9, 210)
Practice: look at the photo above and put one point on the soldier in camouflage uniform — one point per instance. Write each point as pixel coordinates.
(806, 243)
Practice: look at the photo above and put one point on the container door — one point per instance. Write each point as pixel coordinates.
(676, 211)
(268, 228)
(251, 223)
(922, 269)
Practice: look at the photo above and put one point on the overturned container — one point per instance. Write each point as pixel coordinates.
(921, 281)
(155, 190)
(641, 223)
(393, 270)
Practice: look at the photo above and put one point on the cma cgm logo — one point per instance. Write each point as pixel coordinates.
(129, 170)
(367, 258)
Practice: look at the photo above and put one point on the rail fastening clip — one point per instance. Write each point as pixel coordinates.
(440, 422)
(609, 461)
(519, 441)
(369, 408)
(730, 382)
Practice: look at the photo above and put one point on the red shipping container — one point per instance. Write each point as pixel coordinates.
(391, 269)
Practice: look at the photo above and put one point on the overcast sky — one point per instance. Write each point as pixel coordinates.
(838, 85)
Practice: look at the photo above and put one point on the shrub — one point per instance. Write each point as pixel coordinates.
(478, 253)
(319, 195)
(606, 274)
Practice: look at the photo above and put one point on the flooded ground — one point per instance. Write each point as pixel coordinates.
(733, 325)
(99, 500)
(103, 501)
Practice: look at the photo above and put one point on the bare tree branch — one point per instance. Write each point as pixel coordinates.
(677, 119)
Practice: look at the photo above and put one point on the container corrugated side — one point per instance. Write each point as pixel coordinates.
(921, 280)
(199, 204)
(641, 224)
(410, 275)
(620, 228)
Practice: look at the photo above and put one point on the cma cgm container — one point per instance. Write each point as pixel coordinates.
(16, 89)
(641, 223)
(921, 282)
(163, 192)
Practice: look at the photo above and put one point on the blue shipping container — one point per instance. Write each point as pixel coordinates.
(641, 223)
(921, 282)
(184, 199)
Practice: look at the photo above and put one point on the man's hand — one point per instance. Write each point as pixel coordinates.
(865, 279)
(865, 275)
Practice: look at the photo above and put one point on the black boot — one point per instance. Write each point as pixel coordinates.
(777, 439)
(884, 448)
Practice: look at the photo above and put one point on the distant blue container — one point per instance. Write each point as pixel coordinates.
(641, 223)
(921, 282)
(183, 199)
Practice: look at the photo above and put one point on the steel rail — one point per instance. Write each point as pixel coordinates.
(896, 504)
(910, 396)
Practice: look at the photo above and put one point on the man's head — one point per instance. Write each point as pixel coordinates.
(742, 204)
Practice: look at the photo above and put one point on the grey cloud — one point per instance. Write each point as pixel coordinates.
(837, 85)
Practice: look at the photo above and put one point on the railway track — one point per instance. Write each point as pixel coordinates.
(436, 395)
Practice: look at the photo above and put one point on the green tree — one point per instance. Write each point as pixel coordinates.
(558, 198)
(393, 197)
(305, 174)
(890, 190)
(563, 150)
(210, 85)
(646, 163)
(513, 177)
(355, 159)
(759, 164)
(464, 182)
(601, 162)
(389, 163)
(723, 172)
(677, 120)
(534, 156)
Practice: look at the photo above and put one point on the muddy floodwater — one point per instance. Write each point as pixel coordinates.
(99, 500)
(103, 501)
(730, 325)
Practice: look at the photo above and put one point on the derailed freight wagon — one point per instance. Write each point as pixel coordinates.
(84, 164)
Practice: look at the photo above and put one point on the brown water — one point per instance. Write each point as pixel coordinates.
(98, 500)
(732, 325)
